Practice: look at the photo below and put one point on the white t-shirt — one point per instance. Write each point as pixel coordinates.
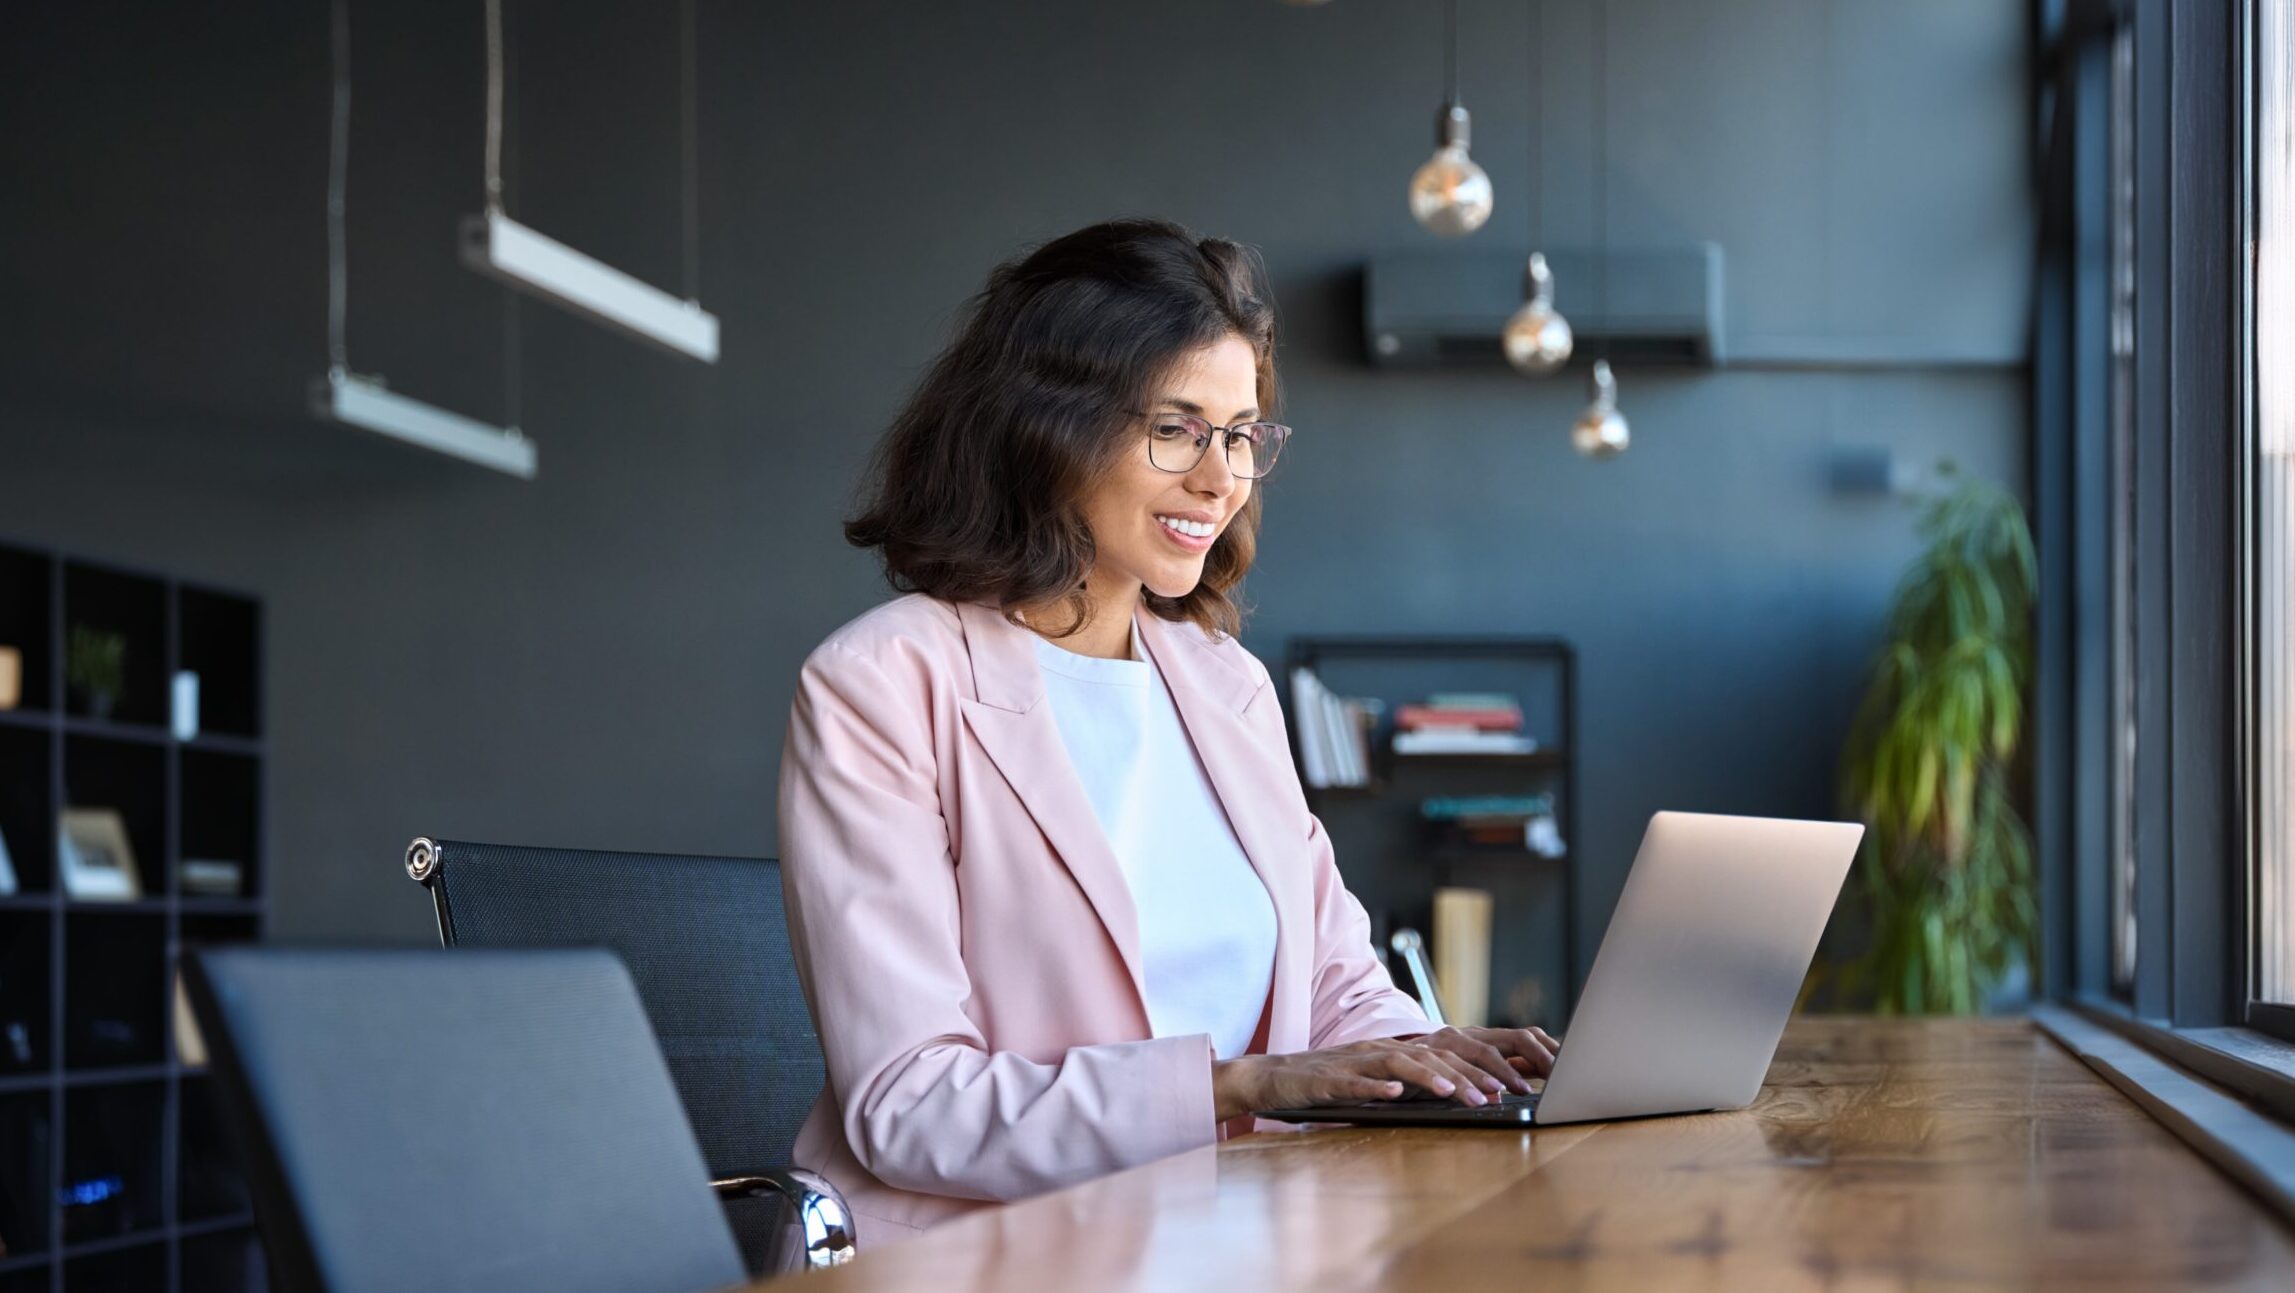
(1207, 926)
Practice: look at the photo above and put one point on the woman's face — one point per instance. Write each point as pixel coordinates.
(1127, 508)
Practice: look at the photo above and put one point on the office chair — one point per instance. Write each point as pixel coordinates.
(1412, 948)
(456, 1120)
(706, 940)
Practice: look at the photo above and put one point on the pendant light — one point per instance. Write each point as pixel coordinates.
(541, 266)
(365, 401)
(1601, 431)
(1450, 195)
(1537, 338)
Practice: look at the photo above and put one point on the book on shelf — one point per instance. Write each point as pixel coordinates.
(1494, 711)
(1462, 722)
(1427, 716)
(1514, 823)
(1333, 743)
(1539, 836)
(1438, 741)
(1454, 807)
(1473, 699)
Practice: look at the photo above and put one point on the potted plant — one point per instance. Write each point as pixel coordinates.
(95, 667)
(1933, 765)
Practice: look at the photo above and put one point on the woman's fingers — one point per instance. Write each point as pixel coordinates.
(1475, 1047)
(1365, 1086)
(1442, 1074)
(1420, 1070)
(1532, 1048)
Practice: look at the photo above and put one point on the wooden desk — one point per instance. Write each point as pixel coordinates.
(1882, 1155)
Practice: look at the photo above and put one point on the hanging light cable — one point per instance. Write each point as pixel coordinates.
(1537, 338)
(1601, 431)
(366, 401)
(541, 266)
(1450, 194)
(689, 153)
(513, 347)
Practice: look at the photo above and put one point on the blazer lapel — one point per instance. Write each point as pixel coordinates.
(1016, 728)
(1211, 692)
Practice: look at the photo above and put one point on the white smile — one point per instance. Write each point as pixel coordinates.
(1192, 529)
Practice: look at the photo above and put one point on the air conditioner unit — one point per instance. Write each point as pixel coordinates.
(1654, 306)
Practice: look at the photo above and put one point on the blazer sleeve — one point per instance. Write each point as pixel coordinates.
(872, 898)
(1354, 996)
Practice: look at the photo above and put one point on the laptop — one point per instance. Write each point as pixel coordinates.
(1691, 989)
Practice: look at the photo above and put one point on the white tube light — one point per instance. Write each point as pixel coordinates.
(539, 265)
(366, 402)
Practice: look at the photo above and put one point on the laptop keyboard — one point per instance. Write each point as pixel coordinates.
(1508, 1106)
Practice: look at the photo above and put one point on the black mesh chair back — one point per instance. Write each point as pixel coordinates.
(706, 940)
(457, 1120)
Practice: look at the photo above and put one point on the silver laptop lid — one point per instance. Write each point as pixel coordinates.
(1696, 977)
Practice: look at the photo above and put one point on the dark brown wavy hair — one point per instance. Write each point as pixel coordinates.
(976, 492)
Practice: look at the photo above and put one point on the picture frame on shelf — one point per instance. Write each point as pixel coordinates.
(11, 677)
(94, 859)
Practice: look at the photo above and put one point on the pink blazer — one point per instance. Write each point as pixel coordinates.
(966, 937)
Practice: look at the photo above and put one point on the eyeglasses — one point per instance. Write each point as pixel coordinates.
(1178, 441)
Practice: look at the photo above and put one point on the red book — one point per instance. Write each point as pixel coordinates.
(1411, 717)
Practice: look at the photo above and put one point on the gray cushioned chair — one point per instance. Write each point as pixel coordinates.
(412, 1119)
(706, 940)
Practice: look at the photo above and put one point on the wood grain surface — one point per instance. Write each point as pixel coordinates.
(1882, 1154)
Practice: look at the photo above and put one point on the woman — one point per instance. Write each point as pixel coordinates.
(1056, 896)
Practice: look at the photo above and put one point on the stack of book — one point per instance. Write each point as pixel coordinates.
(1334, 747)
(1491, 821)
(1462, 722)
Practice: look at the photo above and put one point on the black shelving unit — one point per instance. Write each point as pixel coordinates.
(114, 1171)
(1381, 819)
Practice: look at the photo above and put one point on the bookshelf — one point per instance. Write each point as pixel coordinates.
(1396, 860)
(115, 1172)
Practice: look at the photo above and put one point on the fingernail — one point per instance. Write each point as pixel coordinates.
(1444, 1085)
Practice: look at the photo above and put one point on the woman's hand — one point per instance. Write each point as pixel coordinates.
(1453, 1062)
(1506, 1054)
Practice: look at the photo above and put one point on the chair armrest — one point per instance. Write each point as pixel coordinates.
(824, 1225)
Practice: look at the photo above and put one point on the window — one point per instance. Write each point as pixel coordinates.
(2120, 723)
(2146, 512)
(2273, 477)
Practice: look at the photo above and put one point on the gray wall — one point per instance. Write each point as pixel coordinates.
(604, 656)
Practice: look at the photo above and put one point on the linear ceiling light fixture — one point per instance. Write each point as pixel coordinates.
(367, 402)
(364, 401)
(541, 266)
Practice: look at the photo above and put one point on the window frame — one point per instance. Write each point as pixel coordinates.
(2189, 531)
